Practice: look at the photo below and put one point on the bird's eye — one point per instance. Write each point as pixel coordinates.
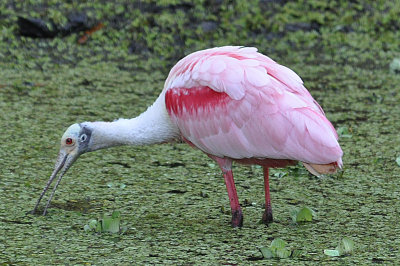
(83, 137)
(69, 141)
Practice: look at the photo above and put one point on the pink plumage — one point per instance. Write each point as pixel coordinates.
(234, 103)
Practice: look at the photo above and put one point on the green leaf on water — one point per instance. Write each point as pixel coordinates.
(266, 252)
(115, 214)
(211, 165)
(92, 224)
(98, 228)
(283, 253)
(280, 174)
(107, 224)
(278, 249)
(395, 66)
(278, 243)
(398, 161)
(111, 224)
(112, 185)
(332, 252)
(344, 132)
(123, 229)
(345, 246)
(304, 214)
(87, 228)
(296, 253)
(114, 226)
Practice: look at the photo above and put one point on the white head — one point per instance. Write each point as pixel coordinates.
(75, 141)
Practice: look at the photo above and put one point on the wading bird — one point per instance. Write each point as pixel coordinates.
(232, 103)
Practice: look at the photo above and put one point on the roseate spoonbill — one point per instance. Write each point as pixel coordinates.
(234, 104)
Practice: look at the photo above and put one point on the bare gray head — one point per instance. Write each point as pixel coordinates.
(75, 141)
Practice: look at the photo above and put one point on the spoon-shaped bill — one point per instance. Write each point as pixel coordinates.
(63, 163)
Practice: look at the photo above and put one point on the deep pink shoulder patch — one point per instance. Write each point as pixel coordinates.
(191, 101)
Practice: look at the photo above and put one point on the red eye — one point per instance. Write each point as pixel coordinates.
(68, 141)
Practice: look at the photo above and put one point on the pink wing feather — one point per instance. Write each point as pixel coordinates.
(235, 102)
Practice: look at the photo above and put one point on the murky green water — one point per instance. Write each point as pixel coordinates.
(173, 197)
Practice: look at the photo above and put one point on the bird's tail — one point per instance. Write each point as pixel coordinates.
(322, 169)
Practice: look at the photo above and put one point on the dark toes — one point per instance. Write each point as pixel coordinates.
(267, 217)
(237, 218)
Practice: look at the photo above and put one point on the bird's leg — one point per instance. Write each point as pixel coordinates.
(226, 167)
(267, 216)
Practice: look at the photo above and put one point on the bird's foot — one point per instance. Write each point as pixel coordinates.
(237, 218)
(267, 217)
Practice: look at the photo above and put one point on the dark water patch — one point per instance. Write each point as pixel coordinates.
(255, 258)
(169, 164)
(15, 221)
(302, 26)
(380, 261)
(352, 119)
(79, 205)
(176, 191)
(125, 165)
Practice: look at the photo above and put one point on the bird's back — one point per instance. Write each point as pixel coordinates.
(235, 102)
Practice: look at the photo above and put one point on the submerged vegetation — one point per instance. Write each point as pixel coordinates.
(171, 196)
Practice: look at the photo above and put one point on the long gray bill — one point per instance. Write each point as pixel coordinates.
(61, 159)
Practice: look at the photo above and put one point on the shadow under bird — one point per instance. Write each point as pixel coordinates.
(232, 103)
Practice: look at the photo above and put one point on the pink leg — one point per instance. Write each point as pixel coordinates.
(226, 167)
(267, 217)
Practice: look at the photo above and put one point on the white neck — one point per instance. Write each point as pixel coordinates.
(151, 127)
